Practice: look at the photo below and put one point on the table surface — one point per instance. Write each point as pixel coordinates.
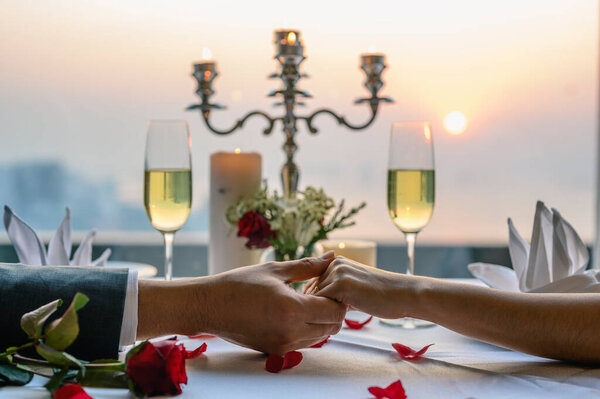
(455, 367)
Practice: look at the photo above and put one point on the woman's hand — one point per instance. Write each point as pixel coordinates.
(374, 291)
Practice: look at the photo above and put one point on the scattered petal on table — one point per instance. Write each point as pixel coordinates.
(196, 352)
(202, 336)
(357, 325)
(276, 363)
(320, 344)
(71, 391)
(393, 391)
(410, 354)
(292, 359)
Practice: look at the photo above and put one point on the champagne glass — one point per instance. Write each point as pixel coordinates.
(411, 189)
(168, 181)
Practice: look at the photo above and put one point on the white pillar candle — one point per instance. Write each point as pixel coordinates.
(364, 252)
(232, 175)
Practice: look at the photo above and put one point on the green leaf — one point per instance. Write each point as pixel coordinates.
(11, 375)
(33, 322)
(56, 381)
(57, 357)
(62, 332)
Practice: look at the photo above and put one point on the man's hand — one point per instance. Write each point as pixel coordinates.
(251, 306)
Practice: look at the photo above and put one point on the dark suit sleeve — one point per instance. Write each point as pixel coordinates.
(25, 288)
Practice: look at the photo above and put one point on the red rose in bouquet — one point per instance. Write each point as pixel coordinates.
(159, 368)
(256, 228)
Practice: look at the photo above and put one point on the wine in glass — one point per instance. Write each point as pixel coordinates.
(168, 181)
(411, 189)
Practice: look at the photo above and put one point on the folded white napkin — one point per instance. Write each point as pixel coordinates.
(554, 262)
(31, 251)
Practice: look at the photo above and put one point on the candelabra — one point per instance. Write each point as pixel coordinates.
(289, 54)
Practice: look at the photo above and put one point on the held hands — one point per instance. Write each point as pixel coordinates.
(254, 307)
(365, 288)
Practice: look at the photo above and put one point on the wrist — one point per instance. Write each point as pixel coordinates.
(170, 307)
(422, 291)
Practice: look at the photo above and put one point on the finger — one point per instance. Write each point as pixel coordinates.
(339, 260)
(310, 286)
(320, 310)
(324, 283)
(331, 291)
(303, 269)
(306, 343)
(317, 331)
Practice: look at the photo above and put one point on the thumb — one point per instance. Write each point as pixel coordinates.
(303, 269)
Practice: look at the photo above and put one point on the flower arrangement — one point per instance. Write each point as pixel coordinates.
(149, 368)
(292, 226)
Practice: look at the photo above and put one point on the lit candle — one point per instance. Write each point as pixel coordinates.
(287, 36)
(206, 64)
(288, 43)
(370, 59)
(364, 252)
(231, 175)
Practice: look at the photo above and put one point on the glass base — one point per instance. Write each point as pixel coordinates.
(407, 323)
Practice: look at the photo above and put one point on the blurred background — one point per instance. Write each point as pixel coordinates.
(80, 79)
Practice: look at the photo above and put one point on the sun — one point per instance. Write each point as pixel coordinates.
(455, 122)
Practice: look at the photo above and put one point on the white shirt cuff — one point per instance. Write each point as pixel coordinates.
(130, 312)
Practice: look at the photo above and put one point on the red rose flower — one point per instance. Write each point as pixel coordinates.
(71, 391)
(256, 228)
(159, 368)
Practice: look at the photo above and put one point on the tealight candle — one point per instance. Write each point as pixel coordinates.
(372, 59)
(287, 36)
(206, 64)
(288, 43)
(364, 252)
(232, 174)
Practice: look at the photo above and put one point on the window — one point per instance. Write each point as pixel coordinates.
(79, 80)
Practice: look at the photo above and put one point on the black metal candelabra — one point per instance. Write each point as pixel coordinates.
(290, 54)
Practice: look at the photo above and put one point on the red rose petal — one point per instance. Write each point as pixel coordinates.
(202, 336)
(320, 344)
(274, 363)
(378, 392)
(292, 359)
(410, 354)
(196, 352)
(357, 325)
(71, 391)
(393, 391)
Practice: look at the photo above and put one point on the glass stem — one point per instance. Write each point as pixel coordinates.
(168, 255)
(411, 238)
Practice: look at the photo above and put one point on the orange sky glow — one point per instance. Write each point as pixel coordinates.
(79, 80)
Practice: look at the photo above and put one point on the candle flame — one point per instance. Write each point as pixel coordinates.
(342, 245)
(237, 151)
(291, 38)
(206, 53)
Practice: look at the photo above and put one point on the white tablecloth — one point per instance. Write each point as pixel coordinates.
(353, 360)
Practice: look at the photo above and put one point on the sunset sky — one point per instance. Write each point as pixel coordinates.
(80, 79)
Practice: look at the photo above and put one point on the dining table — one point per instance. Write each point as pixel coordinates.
(456, 366)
